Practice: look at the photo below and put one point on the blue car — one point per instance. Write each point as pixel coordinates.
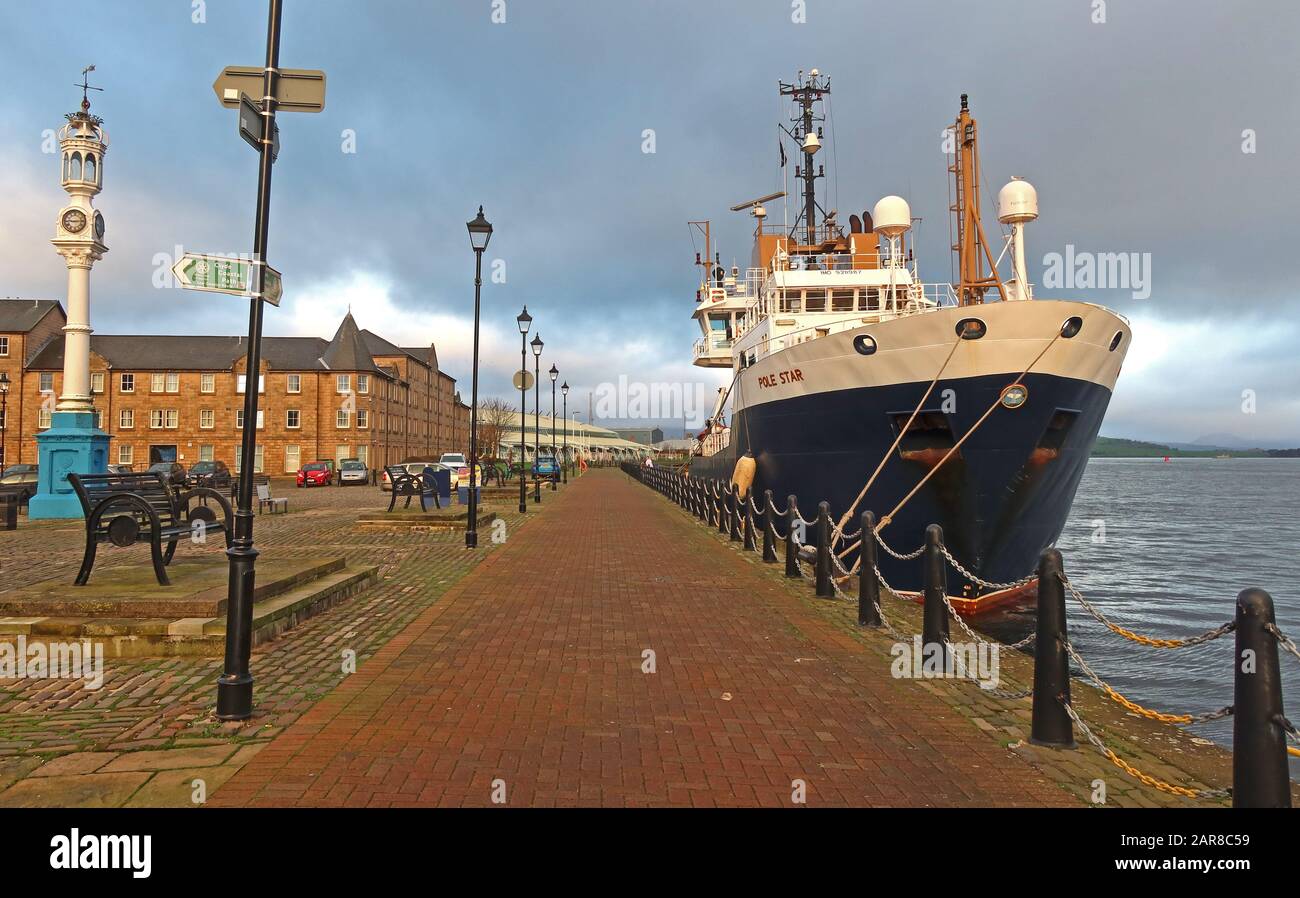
(547, 467)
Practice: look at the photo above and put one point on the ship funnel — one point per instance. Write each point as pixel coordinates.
(892, 216)
(1017, 202)
(811, 143)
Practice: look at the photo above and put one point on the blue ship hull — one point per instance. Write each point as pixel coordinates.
(1001, 499)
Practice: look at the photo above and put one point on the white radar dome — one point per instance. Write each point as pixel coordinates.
(892, 216)
(1017, 202)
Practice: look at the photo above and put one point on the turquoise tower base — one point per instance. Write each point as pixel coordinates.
(73, 444)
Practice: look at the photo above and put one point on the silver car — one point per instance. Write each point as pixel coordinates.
(354, 472)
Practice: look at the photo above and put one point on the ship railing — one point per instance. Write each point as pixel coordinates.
(1260, 774)
(711, 347)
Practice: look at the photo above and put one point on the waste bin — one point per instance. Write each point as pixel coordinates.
(9, 503)
(443, 480)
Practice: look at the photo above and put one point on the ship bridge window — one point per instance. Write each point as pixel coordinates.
(841, 300)
(871, 301)
(814, 300)
(929, 433)
(791, 301)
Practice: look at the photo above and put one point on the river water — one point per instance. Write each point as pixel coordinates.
(1163, 548)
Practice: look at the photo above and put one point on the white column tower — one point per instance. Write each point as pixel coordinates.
(78, 238)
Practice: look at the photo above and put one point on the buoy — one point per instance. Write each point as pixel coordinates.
(743, 476)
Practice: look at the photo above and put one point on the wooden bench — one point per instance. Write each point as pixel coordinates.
(410, 486)
(121, 508)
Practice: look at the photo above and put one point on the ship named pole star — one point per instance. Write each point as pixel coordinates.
(973, 405)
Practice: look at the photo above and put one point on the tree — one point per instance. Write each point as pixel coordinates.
(495, 418)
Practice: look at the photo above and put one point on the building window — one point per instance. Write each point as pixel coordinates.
(341, 452)
(126, 419)
(343, 418)
(173, 383)
(363, 418)
(128, 383)
(207, 383)
(363, 454)
(293, 420)
(257, 460)
(239, 418)
(261, 383)
(125, 453)
(47, 381)
(207, 419)
(4, 346)
(157, 382)
(43, 418)
(207, 453)
(344, 383)
(99, 420)
(292, 459)
(363, 383)
(97, 382)
(295, 386)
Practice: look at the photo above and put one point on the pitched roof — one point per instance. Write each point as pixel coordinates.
(348, 350)
(18, 316)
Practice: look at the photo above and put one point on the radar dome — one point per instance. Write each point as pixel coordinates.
(1017, 202)
(892, 216)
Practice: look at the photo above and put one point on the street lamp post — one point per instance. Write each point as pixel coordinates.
(554, 372)
(537, 344)
(525, 321)
(564, 469)
(4, 414)
(480, 232)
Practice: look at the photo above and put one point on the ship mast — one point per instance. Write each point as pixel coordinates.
(803, 131)
(972, 248)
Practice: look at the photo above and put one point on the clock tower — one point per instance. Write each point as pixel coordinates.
(73, 443)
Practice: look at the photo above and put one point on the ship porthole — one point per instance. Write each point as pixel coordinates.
(864, 344)
(1071, 327)
(1116, 340)
(971, 328)
(1014, 396)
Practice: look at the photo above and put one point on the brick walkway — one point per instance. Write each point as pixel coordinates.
(527, 674)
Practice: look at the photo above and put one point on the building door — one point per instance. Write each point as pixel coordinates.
(162, 454)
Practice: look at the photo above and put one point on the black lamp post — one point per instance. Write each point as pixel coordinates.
(480, 232)
(525, 321)
(536, 343)
(554, 372)
(4, 414)
(564, 468)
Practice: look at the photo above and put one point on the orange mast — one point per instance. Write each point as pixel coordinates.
(971, 247)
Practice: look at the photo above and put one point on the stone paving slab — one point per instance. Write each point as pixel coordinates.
(528, 676)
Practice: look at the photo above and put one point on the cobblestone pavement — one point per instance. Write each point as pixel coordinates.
(528, 681)
(62, 744)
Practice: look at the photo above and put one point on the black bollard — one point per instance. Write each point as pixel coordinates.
(749, 523)
(769, 538)
(868, 585)
(935, 613)
(1051, 724)
(1259, 765)
(733, 519)
(824, 588)
(791, 548)
(709, 504)
(724, 508)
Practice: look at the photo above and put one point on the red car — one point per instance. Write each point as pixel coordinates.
(315, 474)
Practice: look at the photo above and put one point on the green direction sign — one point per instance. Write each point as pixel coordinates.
(222, 274)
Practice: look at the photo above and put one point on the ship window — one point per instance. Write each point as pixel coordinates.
(929, 431)
(1071, 327)
(841, 300)
(815, 300)
(971, 328)
(791, 301)
(872, 300)
(1116, 340)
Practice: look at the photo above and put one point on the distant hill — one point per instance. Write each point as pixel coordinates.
(1114, 447)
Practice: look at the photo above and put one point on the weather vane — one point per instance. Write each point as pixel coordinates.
(86, 87)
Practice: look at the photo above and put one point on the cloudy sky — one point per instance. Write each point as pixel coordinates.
(1170, 129)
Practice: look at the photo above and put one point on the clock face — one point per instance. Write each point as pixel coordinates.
(99, 225)
(74, 221)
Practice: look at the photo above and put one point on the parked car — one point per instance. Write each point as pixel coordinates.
(546, 467)
(214, 474)
(352, 471)
(121, 469)
(317, 473)
(173, 472)
(20, 480)
(413, 467)
(459, 467)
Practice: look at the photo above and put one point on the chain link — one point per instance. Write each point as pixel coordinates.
(1282, 639)
(889, 551)
(1115, 696)
(1207, 636)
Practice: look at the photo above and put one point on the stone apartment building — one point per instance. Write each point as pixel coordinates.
(164, 398)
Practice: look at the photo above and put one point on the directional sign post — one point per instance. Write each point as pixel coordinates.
(258, 93)
(222, 274)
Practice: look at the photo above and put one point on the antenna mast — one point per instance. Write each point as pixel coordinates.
(803, 132)
(971, 247)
